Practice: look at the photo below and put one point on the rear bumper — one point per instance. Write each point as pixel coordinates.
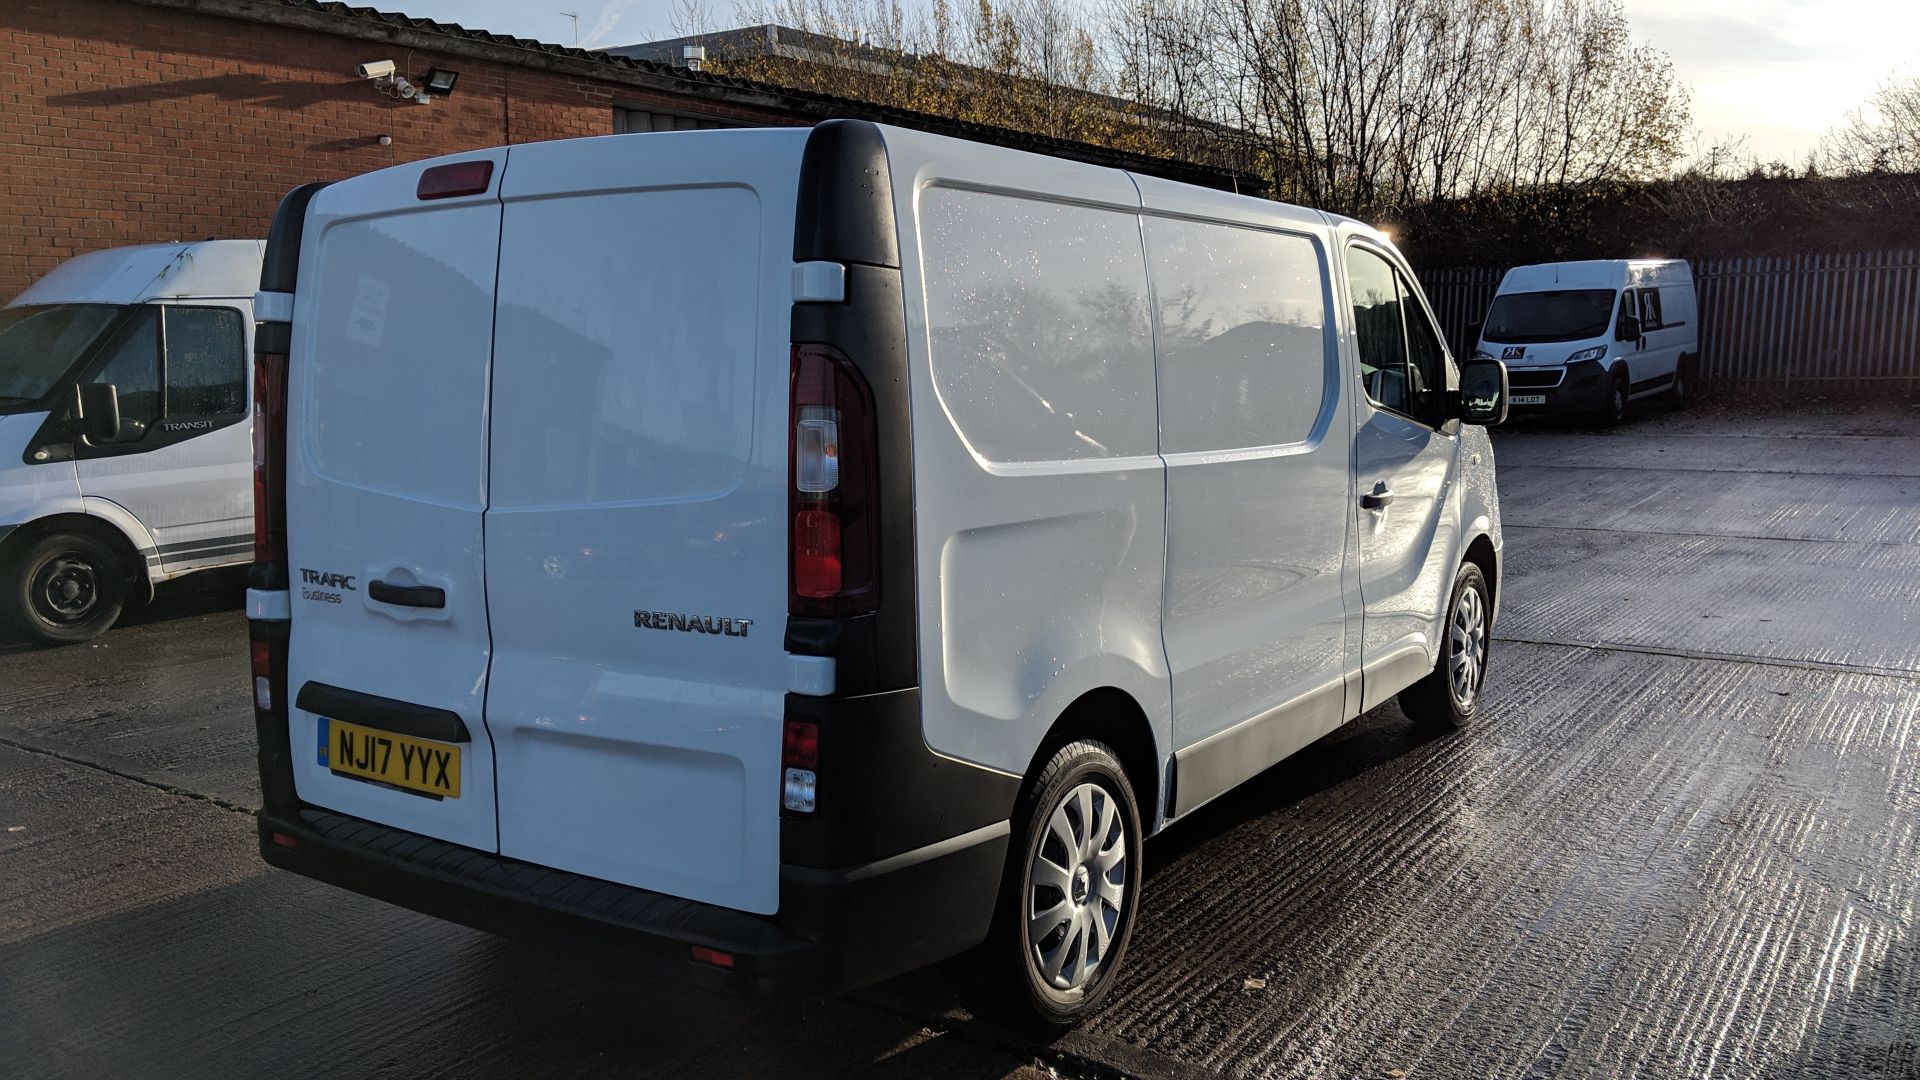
(837, 929)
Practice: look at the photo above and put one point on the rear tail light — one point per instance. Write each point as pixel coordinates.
(799, 757)
(262, 675)
(270, 458)
(802, 744)
(833, 498)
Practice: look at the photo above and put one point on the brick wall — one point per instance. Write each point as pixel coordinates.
(122, 123)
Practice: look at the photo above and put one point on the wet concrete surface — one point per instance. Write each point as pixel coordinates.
(1684, 841)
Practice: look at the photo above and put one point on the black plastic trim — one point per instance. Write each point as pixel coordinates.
(268, 577)
(836, 930)
(270, 726)
(280, 263)
(882, 791)
(846, 215)
(387, 714)
(845, 212)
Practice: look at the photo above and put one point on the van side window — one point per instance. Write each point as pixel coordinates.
(206, 363)
(1242, 335)
(1038, 325)
(1629, 305)
(1650, 318)
(1426, 360)
(132, 366)
(1378, 329)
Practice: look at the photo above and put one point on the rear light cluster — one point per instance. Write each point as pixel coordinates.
(262, 675)
(800, 756)
(270, 458)
(269, 641)
(833, 498)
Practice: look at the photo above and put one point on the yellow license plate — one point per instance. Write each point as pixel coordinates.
(431, 768)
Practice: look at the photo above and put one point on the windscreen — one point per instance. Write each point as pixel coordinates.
(1563, 315)
(38, 344)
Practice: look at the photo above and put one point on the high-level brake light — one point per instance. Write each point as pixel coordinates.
(458, 178)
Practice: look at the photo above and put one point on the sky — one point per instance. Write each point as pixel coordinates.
(1774, 74)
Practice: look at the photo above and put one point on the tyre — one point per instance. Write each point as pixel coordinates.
(66, 588)
(1680, 394)
(1067, 898)
(1613, 411)
(1449, 695)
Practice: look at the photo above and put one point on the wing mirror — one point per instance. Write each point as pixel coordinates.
(1629, 328)
(1483, 392)
(96, 406)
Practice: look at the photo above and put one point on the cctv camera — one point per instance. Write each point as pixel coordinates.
(375, 69)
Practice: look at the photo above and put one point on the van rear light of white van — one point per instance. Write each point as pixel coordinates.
(270, 458)
(262, 675)
(832, 499)
(799, 757)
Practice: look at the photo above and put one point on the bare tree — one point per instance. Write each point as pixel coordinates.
(1881, 136)
(1363, 106)
(1370, 105)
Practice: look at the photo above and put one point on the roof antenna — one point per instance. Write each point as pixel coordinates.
(575, 16)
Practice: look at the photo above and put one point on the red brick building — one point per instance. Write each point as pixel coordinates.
(129, 121)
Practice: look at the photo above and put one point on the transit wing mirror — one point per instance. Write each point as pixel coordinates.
(1483, 392)
(96, 406)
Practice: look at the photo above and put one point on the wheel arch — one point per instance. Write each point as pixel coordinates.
(1481, 553)
(1110, 715)
(133, 552)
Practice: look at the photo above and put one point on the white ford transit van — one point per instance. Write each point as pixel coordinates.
(794, 557)
(124, 445)
(1588, 338)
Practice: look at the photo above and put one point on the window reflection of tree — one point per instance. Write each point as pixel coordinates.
(1052, 375)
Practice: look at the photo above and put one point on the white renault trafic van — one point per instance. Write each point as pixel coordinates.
(796, 557)
(124, 445)
(1587, 338)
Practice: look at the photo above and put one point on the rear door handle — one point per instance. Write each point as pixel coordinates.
(423, 596)
(1377, 499)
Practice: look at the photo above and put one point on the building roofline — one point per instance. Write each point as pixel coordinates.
(451, 39)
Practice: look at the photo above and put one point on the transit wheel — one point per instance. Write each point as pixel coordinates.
(67, 588)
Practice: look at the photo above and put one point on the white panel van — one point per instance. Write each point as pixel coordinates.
(1589, 338)
(125, 448)
(794, 557)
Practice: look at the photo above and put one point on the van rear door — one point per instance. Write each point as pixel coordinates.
(636, 531)
(387, 482)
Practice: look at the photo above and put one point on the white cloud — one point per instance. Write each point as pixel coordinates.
(1779, 73)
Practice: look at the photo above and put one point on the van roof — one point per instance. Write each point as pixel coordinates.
(133, 275)
(1596, 274)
